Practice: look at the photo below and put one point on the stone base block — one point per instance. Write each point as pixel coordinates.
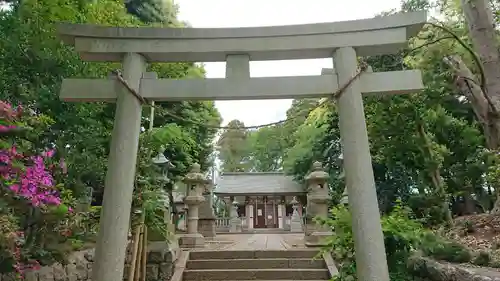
(235, 225)
(207, 227)
(296, 226)
(235, 229)
(192, 241)
(173, 244)
(310, 227)
(317, 238)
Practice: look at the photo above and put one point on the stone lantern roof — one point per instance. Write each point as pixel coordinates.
(317, 173)
(195, 175)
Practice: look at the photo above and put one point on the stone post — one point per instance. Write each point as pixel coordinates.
(235, 220)
(195, 184)
(281, 213)
(182, 223)
(250, 215)
(119, 183)
(296, 220)
(83, 205)
(344, 200)
(371, 260)
(317, 205)
(207, 217)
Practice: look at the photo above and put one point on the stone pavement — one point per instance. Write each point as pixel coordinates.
(260, 242)
(257, 241)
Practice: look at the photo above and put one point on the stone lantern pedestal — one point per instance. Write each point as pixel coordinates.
(206, 223)
(317, 206)
(195, 184)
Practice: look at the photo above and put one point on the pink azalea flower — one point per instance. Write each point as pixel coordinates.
(8, 128)
(49, 153)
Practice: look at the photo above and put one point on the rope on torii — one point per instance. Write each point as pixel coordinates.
(363, 67)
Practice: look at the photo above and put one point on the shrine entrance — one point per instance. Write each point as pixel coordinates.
(348, 81)
(262, 197)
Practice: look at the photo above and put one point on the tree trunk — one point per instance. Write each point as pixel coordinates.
(482, 32)
(434, 174)
(485, 114)
(469, 205)
(483, 108)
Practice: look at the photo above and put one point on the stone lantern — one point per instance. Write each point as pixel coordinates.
(235, 222)
(85, 201)
(207, 217)
(317, 205)
(296, 220)
(161, 161)
(195, 185)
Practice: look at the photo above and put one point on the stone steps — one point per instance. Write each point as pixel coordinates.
(257, 274)
(263, 265)
(256, 264)
(263, 254)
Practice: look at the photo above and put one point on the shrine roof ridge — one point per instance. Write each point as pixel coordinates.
(69, 31)
(257, 183)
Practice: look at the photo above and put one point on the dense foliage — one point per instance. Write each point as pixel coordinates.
(404, 238)
(33, 61)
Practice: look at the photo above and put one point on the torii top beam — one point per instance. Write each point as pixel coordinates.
(374, 36)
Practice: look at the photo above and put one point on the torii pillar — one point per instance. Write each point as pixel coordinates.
(363, 204)
(119, 182)
(237, 46)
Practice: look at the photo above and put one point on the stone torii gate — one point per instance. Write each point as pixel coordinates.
(342, 41)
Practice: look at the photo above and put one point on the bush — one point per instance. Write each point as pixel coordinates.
(482, 259)
(427, 209)
(401, 236)
(495, 264)
(35, 210)
(436, 247)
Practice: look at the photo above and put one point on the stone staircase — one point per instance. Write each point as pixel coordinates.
(255, 265)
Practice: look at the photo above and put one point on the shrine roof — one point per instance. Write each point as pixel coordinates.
(257, 183)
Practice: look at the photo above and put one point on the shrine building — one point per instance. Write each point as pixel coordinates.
(264, 199)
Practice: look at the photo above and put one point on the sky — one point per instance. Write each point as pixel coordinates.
(247, 13)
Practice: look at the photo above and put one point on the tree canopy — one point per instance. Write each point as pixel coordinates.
(34, 61)
(434, 151)
(428, 148)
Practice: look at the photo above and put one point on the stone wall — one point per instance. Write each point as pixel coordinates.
(160, 264)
